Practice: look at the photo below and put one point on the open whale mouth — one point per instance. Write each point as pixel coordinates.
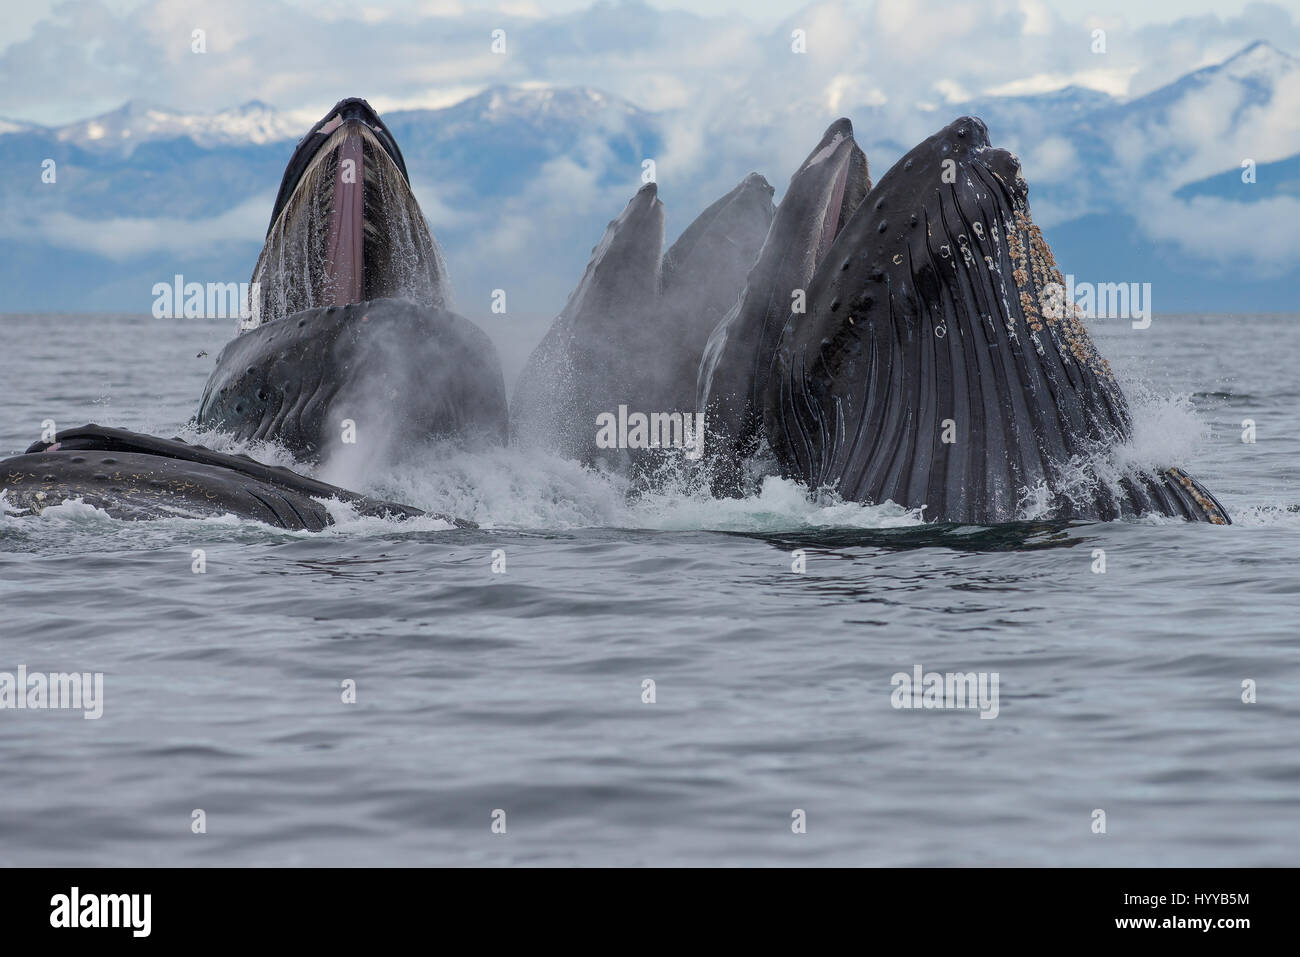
(824, 193)
(346, 227)
(846, 186)
(353, 111)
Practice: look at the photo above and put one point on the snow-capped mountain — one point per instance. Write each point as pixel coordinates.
(532, 106)
(136, 122)
(1207, 121)
(497, 142)
(518, 183)
(542, 110)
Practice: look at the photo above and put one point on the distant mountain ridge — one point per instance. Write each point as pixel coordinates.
(138, 121)
(518, 183)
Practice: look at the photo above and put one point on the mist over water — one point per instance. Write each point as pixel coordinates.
(522, 691)
(633, 331)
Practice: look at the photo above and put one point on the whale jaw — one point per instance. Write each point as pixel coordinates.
(732, 378)
(346, 227)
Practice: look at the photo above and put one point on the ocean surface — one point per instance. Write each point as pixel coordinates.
(520, 698)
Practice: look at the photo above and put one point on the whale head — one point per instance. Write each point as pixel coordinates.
(823, 194)
(933, 369)
(346, 227)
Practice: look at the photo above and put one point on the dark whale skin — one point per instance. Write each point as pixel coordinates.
(134, 476)
(581, 364)
(634, 329)
(428, 372)
(930, 307)
(732, 379)
(703, 274)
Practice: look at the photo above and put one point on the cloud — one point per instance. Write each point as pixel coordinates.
(409, 53)
(1243, 240)
(732, 94)
(124, 237)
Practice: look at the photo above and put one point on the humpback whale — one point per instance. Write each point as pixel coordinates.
(345, 225)
(935, 369)
(350, 324)
(823, 193)
(396, 370)
(906, 342)
(634, 329)
(134, 476)
(349, 328)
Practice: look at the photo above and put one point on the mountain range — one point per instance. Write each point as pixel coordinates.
(518, 183)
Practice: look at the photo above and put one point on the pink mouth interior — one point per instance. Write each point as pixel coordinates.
(830, 225)
(344, 249)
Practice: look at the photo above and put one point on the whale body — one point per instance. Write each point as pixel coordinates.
(936, 366)
(350, 322)
(633, 331)
(134, 476)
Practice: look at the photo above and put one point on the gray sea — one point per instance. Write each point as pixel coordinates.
(509, 718)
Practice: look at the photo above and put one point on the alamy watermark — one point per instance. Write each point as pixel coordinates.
(1103, 300)
(81, 691)
(657, 430)
(128, 911)
(213, 300)
(951, 690)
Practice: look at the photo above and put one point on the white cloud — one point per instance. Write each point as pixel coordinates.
(413, 52)
(1252, 240)
(1114, 82)
(854, 90)
(1051, 158)
(123, 237)
(738, 98)
(952, 92)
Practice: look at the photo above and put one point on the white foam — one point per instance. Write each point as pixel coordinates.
(530, 489)
(516, 488)
(74, 511)
(1167, 430)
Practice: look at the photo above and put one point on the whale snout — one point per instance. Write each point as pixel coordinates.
(963, 133)
(1005, 165)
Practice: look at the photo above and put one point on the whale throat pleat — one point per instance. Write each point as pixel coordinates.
(939, 366)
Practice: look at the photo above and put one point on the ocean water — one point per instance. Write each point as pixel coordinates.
(519, 697)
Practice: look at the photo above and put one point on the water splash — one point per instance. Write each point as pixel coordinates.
(532, 489)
